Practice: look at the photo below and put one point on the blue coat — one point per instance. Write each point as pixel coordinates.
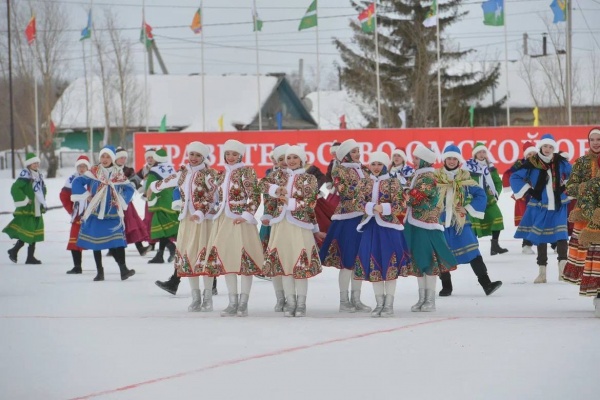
(102, 226)
(545, 219)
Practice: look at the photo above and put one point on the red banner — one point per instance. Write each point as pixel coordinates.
(504, 144)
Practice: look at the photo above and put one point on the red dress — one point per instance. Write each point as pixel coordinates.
(69, 206)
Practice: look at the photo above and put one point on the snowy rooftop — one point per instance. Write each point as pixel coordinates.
(334, 104)
(176, 96)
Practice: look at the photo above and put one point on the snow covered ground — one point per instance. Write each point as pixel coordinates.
(64, 336)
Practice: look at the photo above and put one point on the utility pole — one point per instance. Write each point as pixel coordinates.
(10, 93)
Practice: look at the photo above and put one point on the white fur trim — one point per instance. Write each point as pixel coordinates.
(379, 156)
(474, 213)
(122, 153)
(424, 154)
(340, 217)
(200, 215)
(280, 151)
(176, 205)
(595, 131)
(112, 155)
(369, 208)
(22, 203)
(400, 153)
(160, 159)
(477, 149)
(32, 160)
(387, 208)
(345, 148)
(273, 190)
(82, 162)
(79, 197)
(248, 217)
(292, 204)
(152, 202)
(198, 147)
(522, 192)
(548, 141)
(298, 151)
(333, 149)
(453, 154)
(528, 150)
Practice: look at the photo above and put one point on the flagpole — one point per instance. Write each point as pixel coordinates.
(91, 92)
(439, 67)
(318, 70)
(255, 19)
(377, 66)
(87, 104)
(506, 67)
(36, 104)
(202, 65)
(569, 62)
(145, 64)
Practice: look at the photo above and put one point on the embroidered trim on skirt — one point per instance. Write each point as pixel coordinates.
(292, 251)
(192, 239)
(233, 249)
(340, 247)
(590, 277)
(430, 254)
(576, 256)
(382, 254)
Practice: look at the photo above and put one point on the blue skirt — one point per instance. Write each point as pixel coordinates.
(382, 254)
(540, 225)
(101, 234)
(465, 245)
(340, 246)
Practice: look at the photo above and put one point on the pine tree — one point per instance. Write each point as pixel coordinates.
(408, 62)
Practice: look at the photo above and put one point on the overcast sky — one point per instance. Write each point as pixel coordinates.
(230, 42)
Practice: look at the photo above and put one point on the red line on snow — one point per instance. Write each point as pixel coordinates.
(258, 357)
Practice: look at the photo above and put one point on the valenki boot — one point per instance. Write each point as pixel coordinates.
(30, 258)
(242, 310)
(419, 304)
(196, 304)
(125, 272)
(446, 279)
(496, 249)
(429, 304)
(488, 286)
(280, 296)
(231, 310)
(388, 306)
(541, 278)
(12, 253)
(376, 313)
(358, 305)
(301, 307)
(207, 302)
(289, 310)
(345, 305)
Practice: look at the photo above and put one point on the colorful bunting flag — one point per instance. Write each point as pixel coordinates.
(343, 124)
(493, 12)
(559, 8)
(310, 18)
(536, 117)
(367, 20)
(196, 25)
(30, 31)
(221, 125)
(86, 32)
(431, 17)
(257, 22)
(146, 36)
(163, 124)
(472, 116)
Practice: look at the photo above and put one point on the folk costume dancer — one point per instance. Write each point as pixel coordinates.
(399, 167)
(75, 210)
(196, 184)
(135, 229)
(292, 250)
(340, 246)
(529, 150)
(270, 206)
(483, 172)
(460, 199)
(383, 252)
(108, 193)
(29, 195)
(234, 245)
(586, 168)
(141, 178)
(543, 177)
(164, 219)
(430, 254)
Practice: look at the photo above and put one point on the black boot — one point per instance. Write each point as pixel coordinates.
(496, 249)
(488, 286)
(446, 284)
(109, 253)
(141, 249)
(99, 270)
(158, 258)
(171, 285)
(30, 258)
(76, 262)
(214, 288)
(172, 251)
(12, 253)
(125, 272)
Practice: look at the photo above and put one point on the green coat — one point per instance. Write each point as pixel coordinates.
(493, 220)
(165, 222)
(26, 225)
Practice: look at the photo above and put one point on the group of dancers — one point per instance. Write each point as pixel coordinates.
(379, 221)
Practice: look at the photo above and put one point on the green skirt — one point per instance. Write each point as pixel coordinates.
(26, 227)
(492, 221)
(430, 254)
(164, 225)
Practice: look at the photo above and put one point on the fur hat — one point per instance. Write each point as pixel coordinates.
(161, 156)
(234, 145)
(478, 147)
(120, 152)
(31, 158)
(547, 138)
(594, 131)
(82, 160)
(334, 146)
(280, 151)
(528, 147)
(424, 154)
(296, 150)
(110, 150)
(150, 153)
(452, 150)
(345, 148)
(198, 147)
(401, 152)
(379, 156)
